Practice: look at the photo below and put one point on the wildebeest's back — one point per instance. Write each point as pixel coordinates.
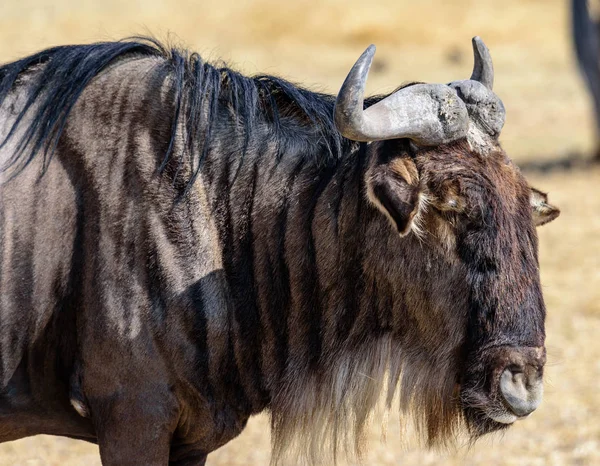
(101, 270)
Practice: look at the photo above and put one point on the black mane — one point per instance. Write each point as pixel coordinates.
(199, 88)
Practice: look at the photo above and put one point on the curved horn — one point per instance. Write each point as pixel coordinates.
(486, 110)
(429, 114)
(349, 104)
(483, 68)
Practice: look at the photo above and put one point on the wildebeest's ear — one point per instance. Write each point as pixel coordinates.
(393, 188)
(542, 211)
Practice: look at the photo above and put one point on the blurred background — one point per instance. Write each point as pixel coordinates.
(550, 132)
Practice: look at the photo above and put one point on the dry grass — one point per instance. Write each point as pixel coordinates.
(316, 42)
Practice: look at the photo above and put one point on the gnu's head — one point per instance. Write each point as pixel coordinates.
(437, 171)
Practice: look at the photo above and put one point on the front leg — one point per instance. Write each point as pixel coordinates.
(193, 458)
(133, 430)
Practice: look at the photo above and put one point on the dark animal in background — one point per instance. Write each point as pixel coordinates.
(182, 247)
(586, 36)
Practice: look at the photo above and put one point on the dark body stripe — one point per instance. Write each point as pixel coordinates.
(273, 275)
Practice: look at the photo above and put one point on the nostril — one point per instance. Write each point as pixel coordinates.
(522, 390)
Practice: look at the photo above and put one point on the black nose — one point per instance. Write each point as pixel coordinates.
(522, 390)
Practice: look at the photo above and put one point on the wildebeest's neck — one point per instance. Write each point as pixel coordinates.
(292, 232)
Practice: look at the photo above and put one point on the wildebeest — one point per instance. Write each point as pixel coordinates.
(183, 247)
(586, 37)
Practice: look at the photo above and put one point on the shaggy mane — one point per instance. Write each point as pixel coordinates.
(58, 76)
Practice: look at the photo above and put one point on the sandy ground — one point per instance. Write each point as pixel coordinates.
(315, 43)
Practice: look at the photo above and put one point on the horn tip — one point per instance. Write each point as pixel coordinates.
(478, 44)
(483, 70)
(367, 56)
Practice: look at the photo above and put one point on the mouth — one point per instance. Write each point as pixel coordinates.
(509, 389)
(497, 412)
(491, 417)
(486, 420)
(505, 417)
(486, 414)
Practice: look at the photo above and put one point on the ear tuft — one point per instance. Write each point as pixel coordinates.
(543, 212)
(393, 188)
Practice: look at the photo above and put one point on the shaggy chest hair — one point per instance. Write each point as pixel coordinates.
(317, 418)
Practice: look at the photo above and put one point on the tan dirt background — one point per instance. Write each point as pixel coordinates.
(315, 43)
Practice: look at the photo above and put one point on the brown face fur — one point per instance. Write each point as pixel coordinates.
(477, 215)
